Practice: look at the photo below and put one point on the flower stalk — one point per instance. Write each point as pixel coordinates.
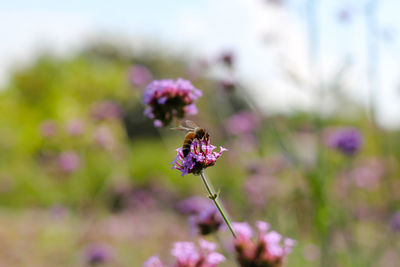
(214, 197)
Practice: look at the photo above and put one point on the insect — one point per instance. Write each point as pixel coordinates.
(194, 132)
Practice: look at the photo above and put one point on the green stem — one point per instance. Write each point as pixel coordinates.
(214, 197)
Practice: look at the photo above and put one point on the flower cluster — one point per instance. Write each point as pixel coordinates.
(204, 217)
(139, 75)
(96, 254)
(106, 110)
(188, 255)
(269, 249)
(346, 140)
(206, 221)
(169, 99)
(68, 161)
(200, 156)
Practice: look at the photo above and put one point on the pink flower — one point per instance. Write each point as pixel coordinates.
(153, 261)
(187, 254)
(104, 137)
(139, 75)
(243, 122)
(200, 156)
(48, 128)
(206, 221)
(75, 127)
(268, 249)
(106, 110)
(69, 161)
(169, 99)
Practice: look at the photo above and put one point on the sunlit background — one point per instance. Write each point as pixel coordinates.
(83, 172)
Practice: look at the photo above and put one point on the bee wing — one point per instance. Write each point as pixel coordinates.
(181, 128)
(191, 124)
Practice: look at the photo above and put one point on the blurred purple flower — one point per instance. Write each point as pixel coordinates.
(58, 211)
(243, 122)
(227, 57)
(98, 254)
(188, 255)
(395, 222)
(227, 85)
(153, 261)
(201, 156)
(139, 75)
(192, 205)
(48, 128)
(368, 174)
(68, 161)
(206, 221)
(345, 14)
(75, 127)
(259, 188)
(269, 249)
(196, 69)
(169, 99)
(106, 110)
(346, 140)
(104, 137)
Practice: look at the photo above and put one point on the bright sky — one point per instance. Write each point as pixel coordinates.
(205, 27)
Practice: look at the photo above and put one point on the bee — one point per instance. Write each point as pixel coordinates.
(194, 132)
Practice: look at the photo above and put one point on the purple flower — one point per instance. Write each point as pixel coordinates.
(106, 110)
(259, 188)
(48, 128)
(206, 221)
(346, 140)
(97, 254)
(227, 85)
(169, 99)
(75, 127)
(139, 75)
(268, 249)
(153, 261)
(395, 221)
(68, 161)
(368, 174)
(200, 156)
(227, 57)
(192, 205)
(104, 138)
(187, 254)
(243, 122)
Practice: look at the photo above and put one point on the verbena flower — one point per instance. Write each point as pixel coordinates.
(68, 161)
(153, 261)
(346, 140)
(106, 110)
(395, 221)
(187, 254)
(200, 156)
(169, 99)
(96, 254)
(104, 137)
(48, 128)
(267, 249)
(243, 122)
(75, 127)
(227, 57)
(192, 205)
(139, 75)
(206, 221)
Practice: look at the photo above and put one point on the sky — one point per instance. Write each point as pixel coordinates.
(268, 40)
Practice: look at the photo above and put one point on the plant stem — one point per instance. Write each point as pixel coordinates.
(214, 197)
